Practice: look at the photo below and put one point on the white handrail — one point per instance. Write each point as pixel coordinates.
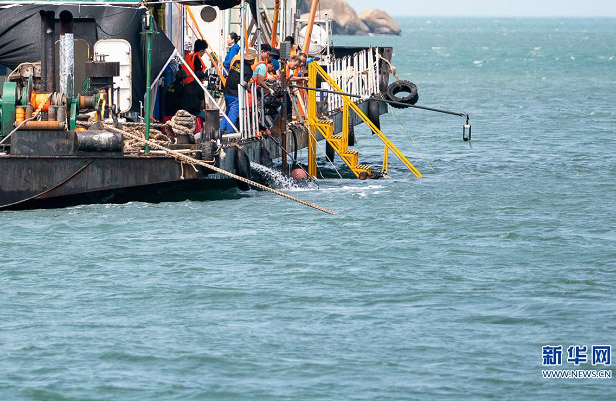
(357, 74)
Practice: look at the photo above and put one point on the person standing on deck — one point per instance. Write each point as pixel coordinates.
(273, 57)
(272, 70)
(294, 50)
(194, 60)
(260, 69)
(174, 94)
(293, 67)
(193, 100)
(230, 90)
(234, 49)
(304, 61)
(265, 48)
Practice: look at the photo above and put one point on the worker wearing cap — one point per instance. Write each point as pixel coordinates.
(174, 94)
(272, 70)
(230, 90)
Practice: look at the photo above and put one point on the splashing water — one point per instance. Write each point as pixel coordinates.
(274, 177)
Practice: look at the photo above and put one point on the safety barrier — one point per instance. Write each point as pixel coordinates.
(357, 74)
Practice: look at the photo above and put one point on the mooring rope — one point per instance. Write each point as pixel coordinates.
(392, 69)
(182, 158)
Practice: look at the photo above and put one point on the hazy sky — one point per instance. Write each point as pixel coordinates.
(491, 7)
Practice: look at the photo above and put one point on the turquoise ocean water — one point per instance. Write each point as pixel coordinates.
(442, 288)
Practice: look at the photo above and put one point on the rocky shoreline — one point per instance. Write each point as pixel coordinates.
(346, 21)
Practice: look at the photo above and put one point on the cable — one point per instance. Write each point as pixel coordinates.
(410, 136)
(122, 30)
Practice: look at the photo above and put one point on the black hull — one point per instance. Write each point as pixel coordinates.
(176, 191)
(29, 182)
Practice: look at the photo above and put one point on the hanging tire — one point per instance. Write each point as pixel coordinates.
(242, 168)
(402, 87)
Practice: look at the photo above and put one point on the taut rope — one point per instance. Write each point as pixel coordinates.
(182, 158)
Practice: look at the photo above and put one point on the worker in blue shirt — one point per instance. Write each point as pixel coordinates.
(234, 49)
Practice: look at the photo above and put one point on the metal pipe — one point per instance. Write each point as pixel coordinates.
(67, 54)
(275, 22)
(241, 91)
(313, 13)
(453, 113)
(149, 25)
(43, 125)
(48, 61)
(283, 117)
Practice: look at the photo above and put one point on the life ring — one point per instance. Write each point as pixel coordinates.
(242, 168)
(402, 87)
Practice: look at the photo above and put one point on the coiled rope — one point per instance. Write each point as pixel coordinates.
(182, 158)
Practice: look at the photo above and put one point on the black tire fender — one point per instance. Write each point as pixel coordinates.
(373, 113)
(243, 169)
(404, 87)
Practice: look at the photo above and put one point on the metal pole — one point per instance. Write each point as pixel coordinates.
(148, 67)
(453, 113)
(275, 22)
(313, 13)
(48, 67)
(283, 116)
(240, 87)
(67, 54)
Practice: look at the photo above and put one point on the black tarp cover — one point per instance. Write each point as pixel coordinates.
(21, 39)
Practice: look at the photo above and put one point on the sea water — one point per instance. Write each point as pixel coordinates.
(441, 288)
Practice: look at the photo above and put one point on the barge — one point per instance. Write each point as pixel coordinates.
(83, 73)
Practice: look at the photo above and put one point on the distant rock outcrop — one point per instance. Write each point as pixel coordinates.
(347, 22)
(379, 22)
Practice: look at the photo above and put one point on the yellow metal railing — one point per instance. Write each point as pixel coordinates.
(340, 144)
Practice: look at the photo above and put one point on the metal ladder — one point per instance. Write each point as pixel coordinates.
(340, 142)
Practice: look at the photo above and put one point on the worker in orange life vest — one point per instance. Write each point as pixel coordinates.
(260, 69)
(293, 67)
(194, 60)
(294, 49)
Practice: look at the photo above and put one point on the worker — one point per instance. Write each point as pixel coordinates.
(272, 70)
(230, 90)
(174, 94)
(273, 54)
(193, 100)
(234, 49)
(260, 69)
(304, 58)
(195, 60)
(294, 50)
(265, 48)
(293, 67)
